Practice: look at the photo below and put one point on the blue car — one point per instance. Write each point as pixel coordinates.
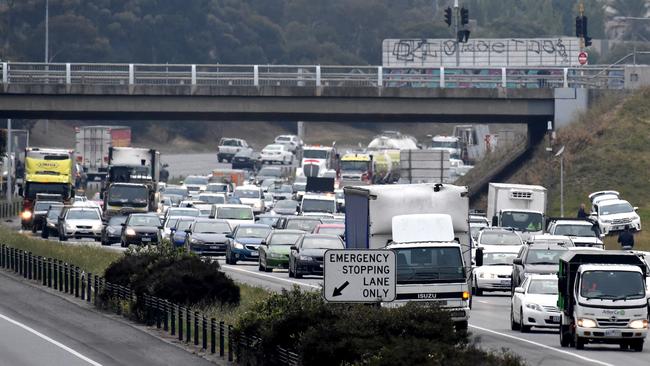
(244, 242)
(177, 235)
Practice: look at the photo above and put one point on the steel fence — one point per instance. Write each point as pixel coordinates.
(192, 327)
(175, 75)
(9, 209)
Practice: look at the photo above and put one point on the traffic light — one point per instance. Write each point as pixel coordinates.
(585, 32)
(463, 36)
(464, 16)
(579, 27)
(448, 16)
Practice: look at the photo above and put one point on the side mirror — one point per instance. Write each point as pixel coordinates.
(479, 257)
(519, 290)
(593, 213)
(123, 224)
(188, 231)
(263, 242)
(161, 227)
(229, 236)
(517, 261)
(636, 208)
(495, 221)
(601, 235)
(293, 247)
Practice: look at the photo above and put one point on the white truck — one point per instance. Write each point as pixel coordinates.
(603, 299)
(451, 144)
(434, 264)
(92, 144)
(425, 166)
(521, 207)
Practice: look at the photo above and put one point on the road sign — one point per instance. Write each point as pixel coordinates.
(583, 57)
(359, 275)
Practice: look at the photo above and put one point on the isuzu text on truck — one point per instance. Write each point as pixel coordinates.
(602, 299)
(427, 227)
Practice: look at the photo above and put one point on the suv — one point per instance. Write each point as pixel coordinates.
(583, 233)
(80, 222)
(228, 147)
(539, 258)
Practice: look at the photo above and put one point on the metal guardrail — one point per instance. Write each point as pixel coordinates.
(10, 209)
(597, 77)
(191, 327)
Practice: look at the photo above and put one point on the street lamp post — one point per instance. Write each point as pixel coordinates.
(47, 48)
(10, 165)
(560, 154)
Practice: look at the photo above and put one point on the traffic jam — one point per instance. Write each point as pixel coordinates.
(298, 209)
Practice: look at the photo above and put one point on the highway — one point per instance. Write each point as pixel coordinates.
(66, 333)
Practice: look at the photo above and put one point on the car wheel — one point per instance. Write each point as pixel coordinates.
(624, 346)
(637, 345)
(123, 244)
(45, 233)
(513, 325)
(578, 341)
(33, 228)
(565, 340)
(478, 292)
(297, 274)
(522, 327)
(62, 237)
(259, 266)
(233, 260)
(290, 270)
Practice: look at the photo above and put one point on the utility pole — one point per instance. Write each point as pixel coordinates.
(10, 164)
(47, 48)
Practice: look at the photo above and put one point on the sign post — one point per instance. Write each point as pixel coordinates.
(364, 276)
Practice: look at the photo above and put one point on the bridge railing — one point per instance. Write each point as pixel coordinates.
(601, 77)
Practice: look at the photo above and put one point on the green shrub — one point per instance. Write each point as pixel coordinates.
(335, 334)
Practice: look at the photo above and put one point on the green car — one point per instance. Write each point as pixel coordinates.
(274, 251)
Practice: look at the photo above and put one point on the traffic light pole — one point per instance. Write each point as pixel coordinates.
(457, 26)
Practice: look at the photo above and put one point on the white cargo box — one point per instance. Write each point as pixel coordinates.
(423, 228)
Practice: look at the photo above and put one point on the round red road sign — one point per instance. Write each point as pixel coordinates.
(583, 57)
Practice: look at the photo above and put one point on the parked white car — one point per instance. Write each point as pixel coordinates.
(276, 153)
(495, 270)
(252, 196)
(534, 304)
(614, 215)
(583, 233)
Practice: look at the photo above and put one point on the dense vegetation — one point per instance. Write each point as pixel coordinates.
(260, 31)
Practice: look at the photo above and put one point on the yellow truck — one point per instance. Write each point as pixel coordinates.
(378, 167)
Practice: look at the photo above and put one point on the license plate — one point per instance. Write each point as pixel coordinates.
(505, 282)
(146, 239)
(617, 228)
(555, 319)
(214, 247)
(612, 333)
(254, 253)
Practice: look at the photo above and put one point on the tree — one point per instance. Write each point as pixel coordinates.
(622, 29)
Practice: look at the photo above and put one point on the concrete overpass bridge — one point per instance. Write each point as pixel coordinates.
(309, 93)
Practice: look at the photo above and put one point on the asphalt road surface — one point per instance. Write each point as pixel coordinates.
(192, 164)
(489, 325)
(40, 328)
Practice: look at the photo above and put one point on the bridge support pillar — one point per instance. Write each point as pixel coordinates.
(569, 103)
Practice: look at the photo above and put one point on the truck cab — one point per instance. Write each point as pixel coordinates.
(356, 169)
(521, 207)
(603, 299)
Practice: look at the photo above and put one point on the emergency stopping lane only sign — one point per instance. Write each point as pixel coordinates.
(359, 275)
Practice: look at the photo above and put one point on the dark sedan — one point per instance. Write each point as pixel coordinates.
(306, 257)
(207, 237)
(141, 229)
(247, 159)
(40, 212)
(245, 241)
(112, 232)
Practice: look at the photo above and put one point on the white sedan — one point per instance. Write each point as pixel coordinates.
(495, 271)
(276, 153)
(534, 304)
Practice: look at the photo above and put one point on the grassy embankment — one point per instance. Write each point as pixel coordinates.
(607, 148)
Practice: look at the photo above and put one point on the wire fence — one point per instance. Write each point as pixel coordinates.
(207, 334)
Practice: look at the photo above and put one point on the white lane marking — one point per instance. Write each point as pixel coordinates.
(275, 278)
(542, 346)
(48, 339)
(484, 302)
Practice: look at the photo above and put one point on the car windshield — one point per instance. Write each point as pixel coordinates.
(498, 259)
(429, 265)
(284, 239)
(217, 188)
(116, 220)
(175, 191)
(213, 200)
(318, 205)
(267, 220)
(83, 215)
(543, 287)
(302, 224)
(332, 230)
(119, 195)
(183, 224)
(171, 222)
(42, 206)
(616, 209)
(247, 193)
(235, 213)
(576, 230)
(252, 232)
(489, 237)
(614, 285)
(183, 212)
(314, 154)
(285, 188)
(273, 147)
(522, 221)
(212, 227)
(141, 220)
(201, 181)
(270, 172)
(229, 143)
(283, 139)
(358, 166)
(54, 212)
(544, 256)
(321, 243)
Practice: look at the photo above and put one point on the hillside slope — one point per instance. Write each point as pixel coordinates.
(606, 148)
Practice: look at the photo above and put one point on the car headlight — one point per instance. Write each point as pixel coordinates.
(639, 324)
(306, 258)
(587, 323)
(257, 205)
(70, 226)
(110, 230)
(607, 221)
(275, 255)
(130, 232)
(239, 245)
(97, 227)
(534, 307)
(197, 241)
(487, 275)
(26, 215)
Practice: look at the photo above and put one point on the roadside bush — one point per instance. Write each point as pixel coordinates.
(353, 334)
(172, 275)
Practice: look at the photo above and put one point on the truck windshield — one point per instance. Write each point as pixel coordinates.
(575, 230)
(522, 221)
(614, 285)
(445, 144)
(354, 166)
(201, 181)
(429, 265)
(489, 237)
(498, 259)
(314, 154)
(136, 196)
(316, 205)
